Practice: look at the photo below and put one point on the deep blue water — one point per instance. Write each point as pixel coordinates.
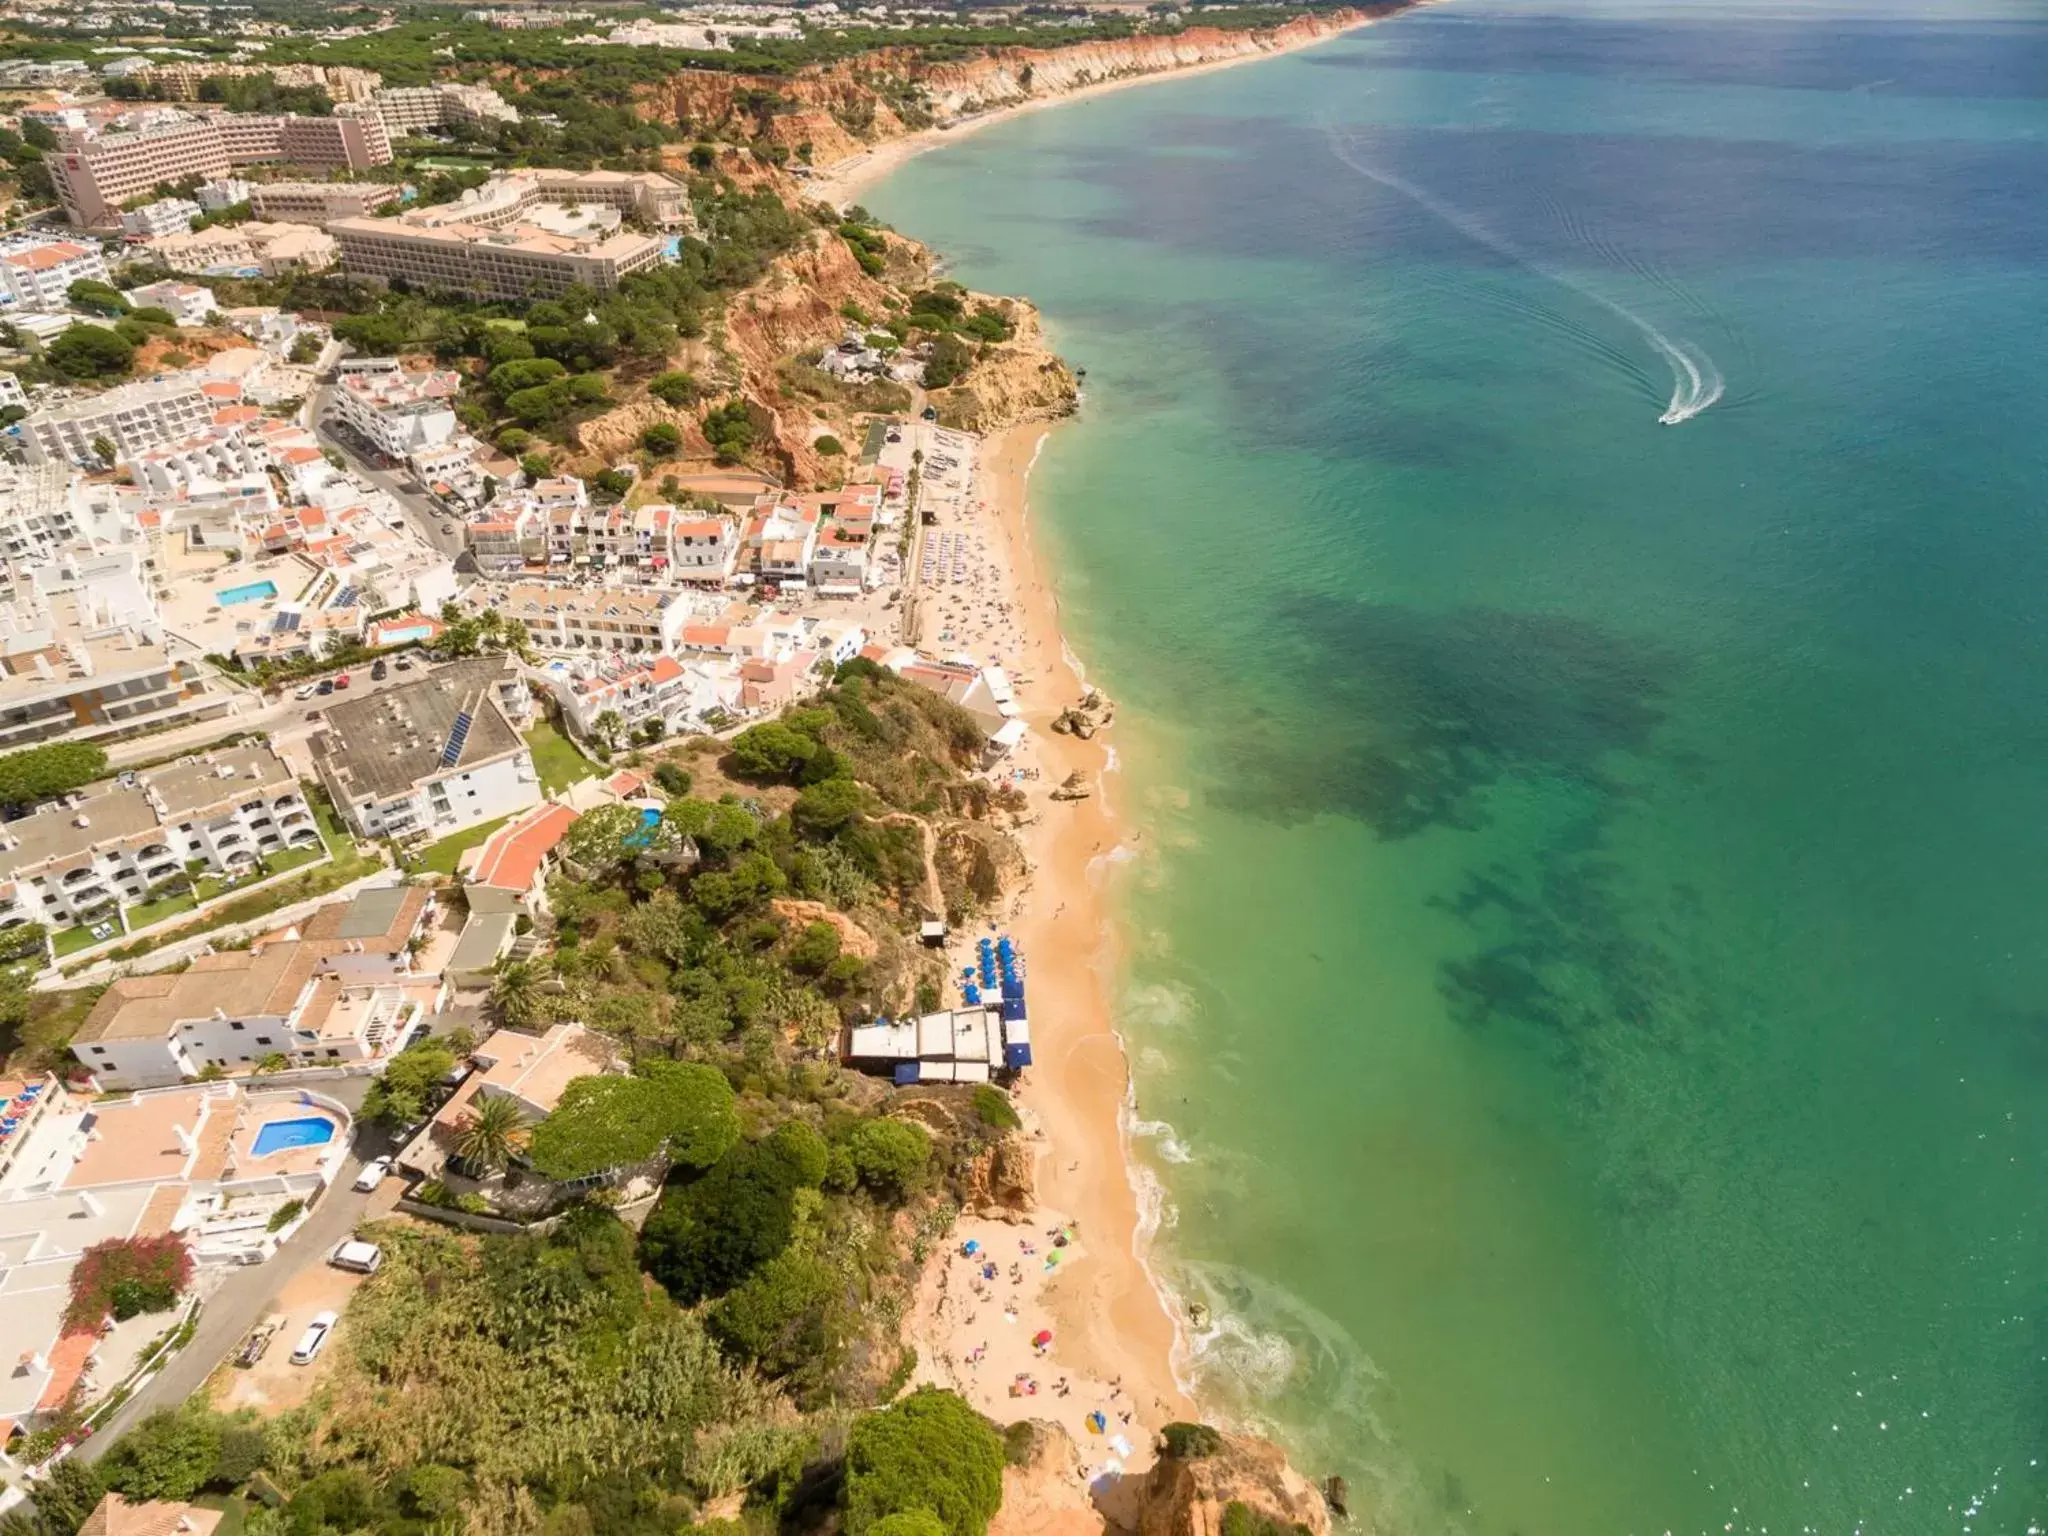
(1588, 995)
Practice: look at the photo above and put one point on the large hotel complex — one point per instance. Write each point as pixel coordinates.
(94, 177)
(529, 234)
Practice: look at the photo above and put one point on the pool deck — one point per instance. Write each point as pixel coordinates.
(285, 1160)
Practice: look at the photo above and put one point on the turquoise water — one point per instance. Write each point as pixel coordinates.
(284, 1135)
(1587, 993)
(251, 592)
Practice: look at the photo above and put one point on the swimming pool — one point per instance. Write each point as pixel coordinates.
(283, 1135)
(642, 836)
(251, 592)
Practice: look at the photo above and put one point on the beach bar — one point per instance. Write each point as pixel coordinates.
(961, 1045)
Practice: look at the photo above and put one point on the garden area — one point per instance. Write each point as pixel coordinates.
(556, 758)
(443, 857)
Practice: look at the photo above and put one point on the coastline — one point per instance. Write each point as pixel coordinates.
(1116, 1337)
(840, 183)
(1119, 1338)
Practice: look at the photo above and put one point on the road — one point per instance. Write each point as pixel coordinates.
(249, 1293)
(427, 517)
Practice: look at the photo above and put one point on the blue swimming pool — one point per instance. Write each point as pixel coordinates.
(251, 592)
(642, 836)
(283, 1135)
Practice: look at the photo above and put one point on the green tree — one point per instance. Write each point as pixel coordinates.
(890, 1155)
(815, 948)
(537, 466)
(909, 1522)
(823, 810)
(401, 1094)
(930, 1452)
(676, 388)
(518, 992)
(775, 752)
(169, 1455)
(493, 1133)
(661, 439)
(42, 773)
(684, 1110)
(608, 727)
(673, 778)
(72, 1489)
(90, 352)
(829, 446)
(97, 298)
(596, 840)
(704, 1238)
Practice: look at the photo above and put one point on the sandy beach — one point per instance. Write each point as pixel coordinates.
(1112, 1343)
(841, 183)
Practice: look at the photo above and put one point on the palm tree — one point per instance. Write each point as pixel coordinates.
(607, 727)
(492, 1135)
(516, 992)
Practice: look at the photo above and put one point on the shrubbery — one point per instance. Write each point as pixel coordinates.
(126, 1276)
(930, 1453)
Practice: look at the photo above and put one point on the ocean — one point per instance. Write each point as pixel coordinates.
(1562, 500)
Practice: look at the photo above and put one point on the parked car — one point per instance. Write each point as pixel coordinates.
(378, 671)
(307, 692)
(315, 1338)
(404, 663)
(326, 687)
(373, 1174)
(341, 681)
(353, 1253)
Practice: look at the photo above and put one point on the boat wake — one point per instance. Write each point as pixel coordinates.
(1696, 384)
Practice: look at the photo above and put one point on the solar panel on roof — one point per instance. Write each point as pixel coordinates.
(286, 621)
(457, 735)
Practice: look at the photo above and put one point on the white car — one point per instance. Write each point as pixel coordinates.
(307, 692)
(354, 1253)
(314, 1339)
(373, 1174)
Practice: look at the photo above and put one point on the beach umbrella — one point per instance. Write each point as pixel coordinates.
(971, 1247)
(1041, 1338)
(1097, 1423)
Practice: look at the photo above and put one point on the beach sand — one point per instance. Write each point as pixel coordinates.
(1113, 1337)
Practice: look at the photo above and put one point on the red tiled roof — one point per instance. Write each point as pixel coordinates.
(512, 856)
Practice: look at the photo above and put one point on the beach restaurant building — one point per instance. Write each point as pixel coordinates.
(961, 1045)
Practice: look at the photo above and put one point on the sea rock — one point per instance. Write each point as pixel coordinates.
(1075, 787)
(1187, 1496)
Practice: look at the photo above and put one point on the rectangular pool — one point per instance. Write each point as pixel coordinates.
(251, 592)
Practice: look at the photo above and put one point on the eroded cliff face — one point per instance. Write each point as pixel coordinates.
(1188, 1496)
(838, 110)
(1011, 382)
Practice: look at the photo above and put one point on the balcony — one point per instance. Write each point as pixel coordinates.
(79, 877)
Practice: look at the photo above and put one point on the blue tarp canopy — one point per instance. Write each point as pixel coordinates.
(1013, 1009)
(1015, 1057)
(906, 1072)
(1013, 986)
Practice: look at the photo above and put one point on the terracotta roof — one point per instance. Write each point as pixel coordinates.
(513, 854)
(43, 257)
(115, 1516)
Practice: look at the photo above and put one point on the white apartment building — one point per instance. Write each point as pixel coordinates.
(397, 412)
(664, 688)
(206, 463)
(74, 665)
(409, 107)
(188, 303)
(133, 417)
(11, 392)
(165, 216)
(224, 193)
(431, 757)
(41, 276)
(113, 843)
(232, 1009)
(625, 620)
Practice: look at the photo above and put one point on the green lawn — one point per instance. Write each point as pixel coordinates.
(70, 941)
(145, 914)
(557, 759)
(442, 857)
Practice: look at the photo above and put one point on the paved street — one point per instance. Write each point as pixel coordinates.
(426, 517)
(247, 1294)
